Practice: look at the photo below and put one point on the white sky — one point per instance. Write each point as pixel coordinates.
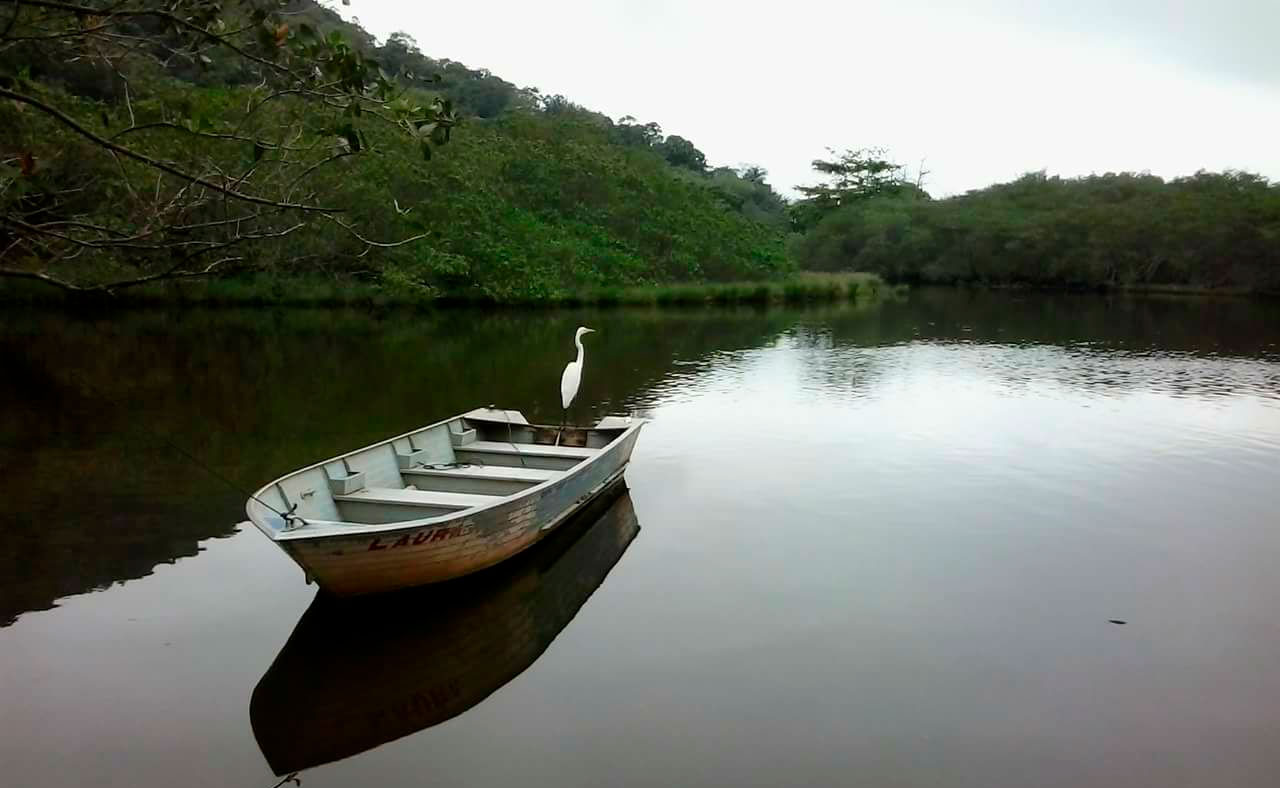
(985, 90)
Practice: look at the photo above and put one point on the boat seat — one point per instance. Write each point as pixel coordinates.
(482, 479)
(530, 450)
(499, 473)
(407, 497)
(540, 456)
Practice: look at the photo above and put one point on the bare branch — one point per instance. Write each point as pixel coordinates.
(367, 242)
(31, 228)
(193, 132)
(277, 94)
(78, 33)
(218, 223)
(288, 192)
(8, 28)
(155, 163)
(11, 246)
(86, 226)
(16, 273)
(172, 273)
(168, 17)
(128, 102)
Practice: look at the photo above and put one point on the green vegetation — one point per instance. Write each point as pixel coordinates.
(286, 155)
(308, 290)
(538, 205)
(256, 137)
(1208, 231)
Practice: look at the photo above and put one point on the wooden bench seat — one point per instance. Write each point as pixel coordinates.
(523, 455)
(479, 479)
(431, 498)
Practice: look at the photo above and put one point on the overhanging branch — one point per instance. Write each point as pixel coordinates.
(86, 11)
(378, 244)
(67, 121)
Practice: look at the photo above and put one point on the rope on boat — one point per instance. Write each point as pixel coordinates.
(512, 441)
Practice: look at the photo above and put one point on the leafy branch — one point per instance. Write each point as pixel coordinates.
(181, 176)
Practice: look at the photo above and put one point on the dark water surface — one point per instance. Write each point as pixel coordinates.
(874, 545)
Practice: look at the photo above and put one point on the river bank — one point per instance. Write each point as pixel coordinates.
(1115, 289)
(318, 291)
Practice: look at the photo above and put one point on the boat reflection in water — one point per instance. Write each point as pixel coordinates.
(358, 673)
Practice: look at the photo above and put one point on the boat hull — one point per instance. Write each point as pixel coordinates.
(419, 554)
(358, 673)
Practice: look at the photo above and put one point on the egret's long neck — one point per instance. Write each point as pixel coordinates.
(578, 341)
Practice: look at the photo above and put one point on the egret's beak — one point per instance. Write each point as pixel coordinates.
(589, 331)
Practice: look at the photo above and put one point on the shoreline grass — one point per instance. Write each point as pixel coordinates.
(1136, 289)
(312, 291)
(800, 288)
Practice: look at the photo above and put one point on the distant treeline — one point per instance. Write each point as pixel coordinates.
(1209, 230)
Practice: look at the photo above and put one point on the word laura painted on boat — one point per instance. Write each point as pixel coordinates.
(422, 537)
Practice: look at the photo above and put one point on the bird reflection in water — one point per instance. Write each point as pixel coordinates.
(358, 673)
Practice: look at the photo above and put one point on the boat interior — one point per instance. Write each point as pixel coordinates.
(468, 462)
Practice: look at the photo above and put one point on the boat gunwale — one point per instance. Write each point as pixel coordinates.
(350, 529)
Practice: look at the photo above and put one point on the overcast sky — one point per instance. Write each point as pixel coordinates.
(983, 90)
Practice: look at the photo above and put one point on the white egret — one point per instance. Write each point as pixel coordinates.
(571, 378)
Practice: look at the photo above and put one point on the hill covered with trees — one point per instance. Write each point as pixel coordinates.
(147, 141)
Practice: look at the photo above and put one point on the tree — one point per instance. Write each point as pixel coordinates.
(401, 55)
(1102, 231)
(750, 194)
(680, 152)
(558, 104)
(851, 176)
(630, 131)
(187, 188)
(473, 91)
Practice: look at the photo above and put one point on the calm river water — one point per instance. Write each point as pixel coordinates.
(875, 545)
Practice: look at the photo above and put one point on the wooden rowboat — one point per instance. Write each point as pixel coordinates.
(357, 673)
(440, 502)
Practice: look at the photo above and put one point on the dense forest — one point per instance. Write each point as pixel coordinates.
(147, 142)
(294, 143)
(1209, 230)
